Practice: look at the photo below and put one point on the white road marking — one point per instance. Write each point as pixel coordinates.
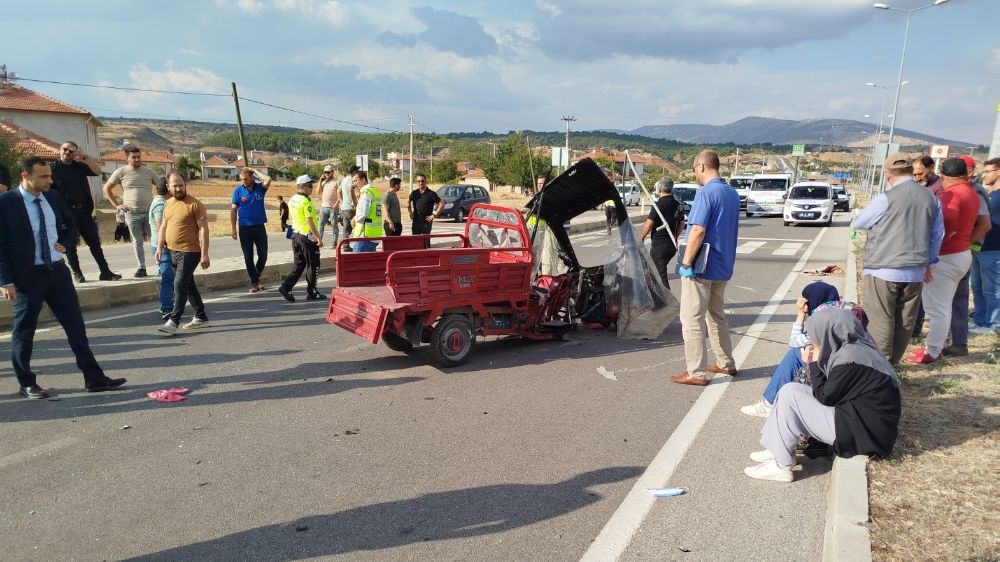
(749, 247)
(787, 249)
(26, 454)
(778, 239)
(231, 296)
(617, 534)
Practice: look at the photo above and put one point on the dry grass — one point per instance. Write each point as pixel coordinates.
(937, 497)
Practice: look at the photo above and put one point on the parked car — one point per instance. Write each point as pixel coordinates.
(459, 198)
(684, 194)
(742, 184)
(843, 202)
(809, 202)
(767, 194)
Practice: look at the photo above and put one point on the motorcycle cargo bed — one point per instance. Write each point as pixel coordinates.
(363, 311)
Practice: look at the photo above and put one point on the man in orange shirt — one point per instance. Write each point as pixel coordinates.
(184, 231)
(959, 206)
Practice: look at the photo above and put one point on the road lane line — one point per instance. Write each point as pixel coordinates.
(231, 296)
(749, 247)
(778, 239)
(26, 454)
(617, 534)
(787, 249)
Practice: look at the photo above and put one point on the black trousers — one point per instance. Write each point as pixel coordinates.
(387, 232)
(421, 227)
(305, 254)
(662, 254)
(53, 287)
(87, 229)
(610, 216)
(254, 237)
(185, 289)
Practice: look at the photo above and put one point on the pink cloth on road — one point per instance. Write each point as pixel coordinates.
(168, 394)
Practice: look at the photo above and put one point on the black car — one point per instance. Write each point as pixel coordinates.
(458, 199)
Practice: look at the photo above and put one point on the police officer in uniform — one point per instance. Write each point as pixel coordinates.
(305, 241)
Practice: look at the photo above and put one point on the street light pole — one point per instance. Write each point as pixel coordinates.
(902, 57)
(567, 119)
(881, 119)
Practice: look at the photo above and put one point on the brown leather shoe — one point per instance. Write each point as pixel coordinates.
(686, 378)
(721, 371)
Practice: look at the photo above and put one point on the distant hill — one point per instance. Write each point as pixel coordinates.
(752, 130)
(174, 136)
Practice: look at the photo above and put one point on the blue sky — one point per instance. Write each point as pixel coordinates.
(522, 64)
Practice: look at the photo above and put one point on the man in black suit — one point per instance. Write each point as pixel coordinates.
(35, 228)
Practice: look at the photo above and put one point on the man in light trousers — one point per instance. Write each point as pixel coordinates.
(713, 225)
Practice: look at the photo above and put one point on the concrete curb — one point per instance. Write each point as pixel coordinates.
(845, 536)
(108, 296)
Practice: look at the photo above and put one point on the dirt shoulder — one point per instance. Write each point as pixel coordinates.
(938, 496)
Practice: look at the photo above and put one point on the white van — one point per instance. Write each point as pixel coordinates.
(741, 183)
(810, 202)
(767, 194)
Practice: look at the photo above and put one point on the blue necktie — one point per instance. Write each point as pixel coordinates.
(43, 235)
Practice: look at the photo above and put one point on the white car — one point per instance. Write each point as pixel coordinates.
(809, 202)
(630, 194)
(767, 194)
(742, 183)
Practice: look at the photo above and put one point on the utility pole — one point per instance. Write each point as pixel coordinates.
(567, 119)
(239, 126)
(410, 122)
(736, 166)
(432, 164)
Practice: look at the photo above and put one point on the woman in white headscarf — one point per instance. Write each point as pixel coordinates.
(853, 404)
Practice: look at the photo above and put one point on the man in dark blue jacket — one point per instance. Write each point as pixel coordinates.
(35, 228)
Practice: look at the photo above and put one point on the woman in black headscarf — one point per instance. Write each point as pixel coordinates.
(813, 295)
(853, 404)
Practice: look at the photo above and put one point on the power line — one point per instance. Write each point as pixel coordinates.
(109, 87)
(209, 94)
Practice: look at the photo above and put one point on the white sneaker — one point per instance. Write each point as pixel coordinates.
(759, 409)
(761, 456)
(769, 471)
(170, 327)
(979, 330)
(196, 324)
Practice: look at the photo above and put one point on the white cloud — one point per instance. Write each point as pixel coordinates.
(331, 11)
(671, 110)
(189, 80)
(419, 62)
(548, 8)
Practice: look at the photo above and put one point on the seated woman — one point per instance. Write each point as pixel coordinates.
(853, 404)
(813, 295)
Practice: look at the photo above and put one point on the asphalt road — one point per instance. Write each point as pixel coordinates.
(299, 440)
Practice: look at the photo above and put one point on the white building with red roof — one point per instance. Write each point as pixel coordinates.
(49, 121)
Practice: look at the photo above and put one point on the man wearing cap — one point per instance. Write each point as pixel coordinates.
(959, 207)
(306, 241)
(923, 172)
(905, 228)
(248, 210)
(986, 288)
(368, 214)
(137, 183)
(960, 322)
(345, 203)
(71, 175)
(328, 203)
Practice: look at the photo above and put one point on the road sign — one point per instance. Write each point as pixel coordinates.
(361, 161)
(842, 176)
(798, 149)
(883, 150)
(939, 150)
(560, 156)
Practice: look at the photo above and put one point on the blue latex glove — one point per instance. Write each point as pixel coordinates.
(686, 272)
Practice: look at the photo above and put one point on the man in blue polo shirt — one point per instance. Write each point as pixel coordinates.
(248, 210)
(713, 220)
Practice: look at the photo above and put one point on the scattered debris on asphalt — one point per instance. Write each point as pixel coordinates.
(169, 394)
(124, 427)
(667, 492)
(610, 375)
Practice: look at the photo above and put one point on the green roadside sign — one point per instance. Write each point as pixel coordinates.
(798, 149)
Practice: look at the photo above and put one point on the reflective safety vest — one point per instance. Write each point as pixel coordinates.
(371, 225)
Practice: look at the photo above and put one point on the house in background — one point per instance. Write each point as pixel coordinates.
(159, 161)
(27, 142)
(50, 119)
(217, 167)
